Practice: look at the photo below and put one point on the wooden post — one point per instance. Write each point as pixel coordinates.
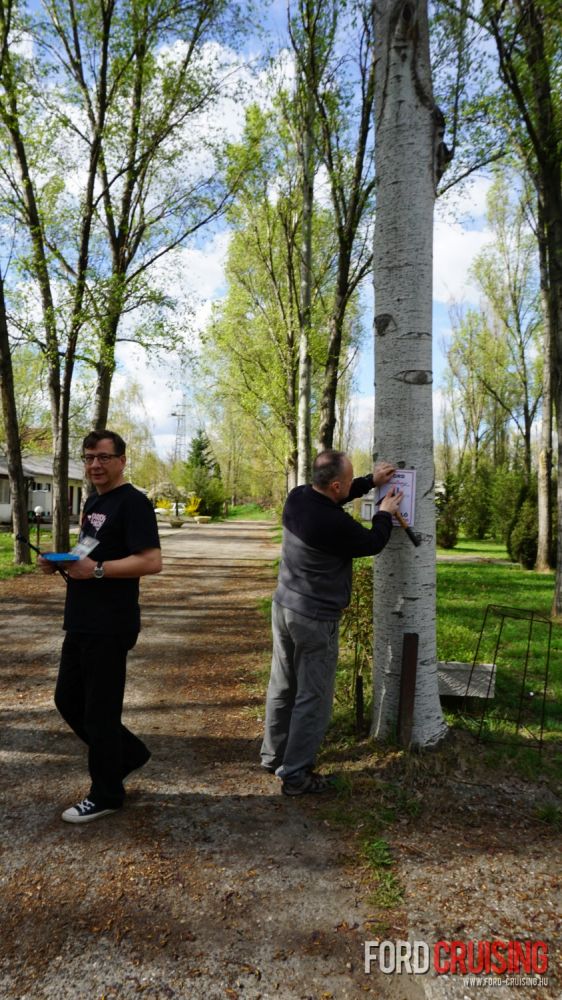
(407, 687)
(359, 706)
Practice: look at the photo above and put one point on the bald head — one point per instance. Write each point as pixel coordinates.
(332, 474)
(327, 466)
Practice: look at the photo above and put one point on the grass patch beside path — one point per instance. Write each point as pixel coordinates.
(464, 591)
(8, 569)
(251, 512)
(479, 548)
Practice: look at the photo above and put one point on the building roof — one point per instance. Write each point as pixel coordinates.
(38, 466)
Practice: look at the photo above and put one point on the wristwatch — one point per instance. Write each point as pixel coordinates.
(99, 571)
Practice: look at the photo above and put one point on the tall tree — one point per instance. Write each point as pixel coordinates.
(308, 32)
(80, 190)
(143, 63)
(408, 148)
(506, 273)
(545, 555)
(334, 101)
(527, 39)
(7, 391)
(345, 110)
(467, 360)
(252, 344)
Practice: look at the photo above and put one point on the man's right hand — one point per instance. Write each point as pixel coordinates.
(391, 501)
(46, 567)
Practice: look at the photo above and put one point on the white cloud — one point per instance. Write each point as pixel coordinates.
(454, 251)
(195, 278)
(363, 409)
(460, 233)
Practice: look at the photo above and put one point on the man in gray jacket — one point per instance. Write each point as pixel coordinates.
(320, 540)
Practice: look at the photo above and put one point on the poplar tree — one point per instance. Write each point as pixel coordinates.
(16, 479)
(408, 141)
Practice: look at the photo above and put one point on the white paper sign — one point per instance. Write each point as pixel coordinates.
(404, 480)
(86, 545)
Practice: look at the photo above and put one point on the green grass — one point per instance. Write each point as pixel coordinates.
(387, 892)
(479, 548)
(8, 569)
(464, 591)
(516, 645)
(251, 512)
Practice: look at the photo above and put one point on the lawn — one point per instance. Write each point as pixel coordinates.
(517, 642)
(477, 547)
(519, 648)
(7, 567)
(251, 512)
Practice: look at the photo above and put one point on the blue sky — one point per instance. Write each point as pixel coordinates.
(195, 274)
(456, 243)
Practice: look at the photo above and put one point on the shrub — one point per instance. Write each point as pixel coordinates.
(523, 537)
(208, 488)
(474, 502)
(505, 491)
(447, 505)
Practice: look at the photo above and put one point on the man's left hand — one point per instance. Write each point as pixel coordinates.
(83, 569)
(383, 473)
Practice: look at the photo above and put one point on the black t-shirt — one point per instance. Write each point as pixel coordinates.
(124, 523)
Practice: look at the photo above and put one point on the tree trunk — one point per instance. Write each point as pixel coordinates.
(544, 547)
(327, 422)
(18, 497)
(555, 319)
(408, 134)
(528, 70)
(305, 363)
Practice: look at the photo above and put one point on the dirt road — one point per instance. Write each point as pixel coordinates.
(208, 884)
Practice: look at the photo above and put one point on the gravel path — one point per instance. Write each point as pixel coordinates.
(208, 884)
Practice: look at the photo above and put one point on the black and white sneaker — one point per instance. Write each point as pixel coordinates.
(84, 812)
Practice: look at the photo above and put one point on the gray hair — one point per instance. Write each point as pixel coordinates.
(328, 465)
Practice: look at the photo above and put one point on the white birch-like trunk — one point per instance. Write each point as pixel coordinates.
(408, 135)
(305, 362)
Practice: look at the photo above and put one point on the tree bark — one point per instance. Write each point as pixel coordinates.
(407, 140)
(18, 493)
(305, 362)
(544, 545)
(350, 202)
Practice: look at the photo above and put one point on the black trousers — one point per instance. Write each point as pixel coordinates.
(89, 696)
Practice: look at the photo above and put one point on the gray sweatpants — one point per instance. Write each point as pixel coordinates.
(300, 692)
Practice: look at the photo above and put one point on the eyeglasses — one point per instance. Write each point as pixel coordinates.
(103, 458)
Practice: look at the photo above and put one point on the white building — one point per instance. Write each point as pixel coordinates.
(38, 474)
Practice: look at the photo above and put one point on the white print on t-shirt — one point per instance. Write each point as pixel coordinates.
(96, 520)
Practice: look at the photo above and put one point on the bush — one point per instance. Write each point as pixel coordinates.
(208, 488)
(505, 493)
(447, 505)
(523, 537)
(474, 502)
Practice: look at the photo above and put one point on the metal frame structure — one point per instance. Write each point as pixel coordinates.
(533, 618)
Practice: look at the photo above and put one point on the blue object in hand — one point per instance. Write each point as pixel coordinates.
(60, 556)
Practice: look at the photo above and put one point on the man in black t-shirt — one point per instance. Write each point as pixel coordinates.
(102, 622)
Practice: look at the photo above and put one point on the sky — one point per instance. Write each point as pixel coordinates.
(195, 276)
(198, 274)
